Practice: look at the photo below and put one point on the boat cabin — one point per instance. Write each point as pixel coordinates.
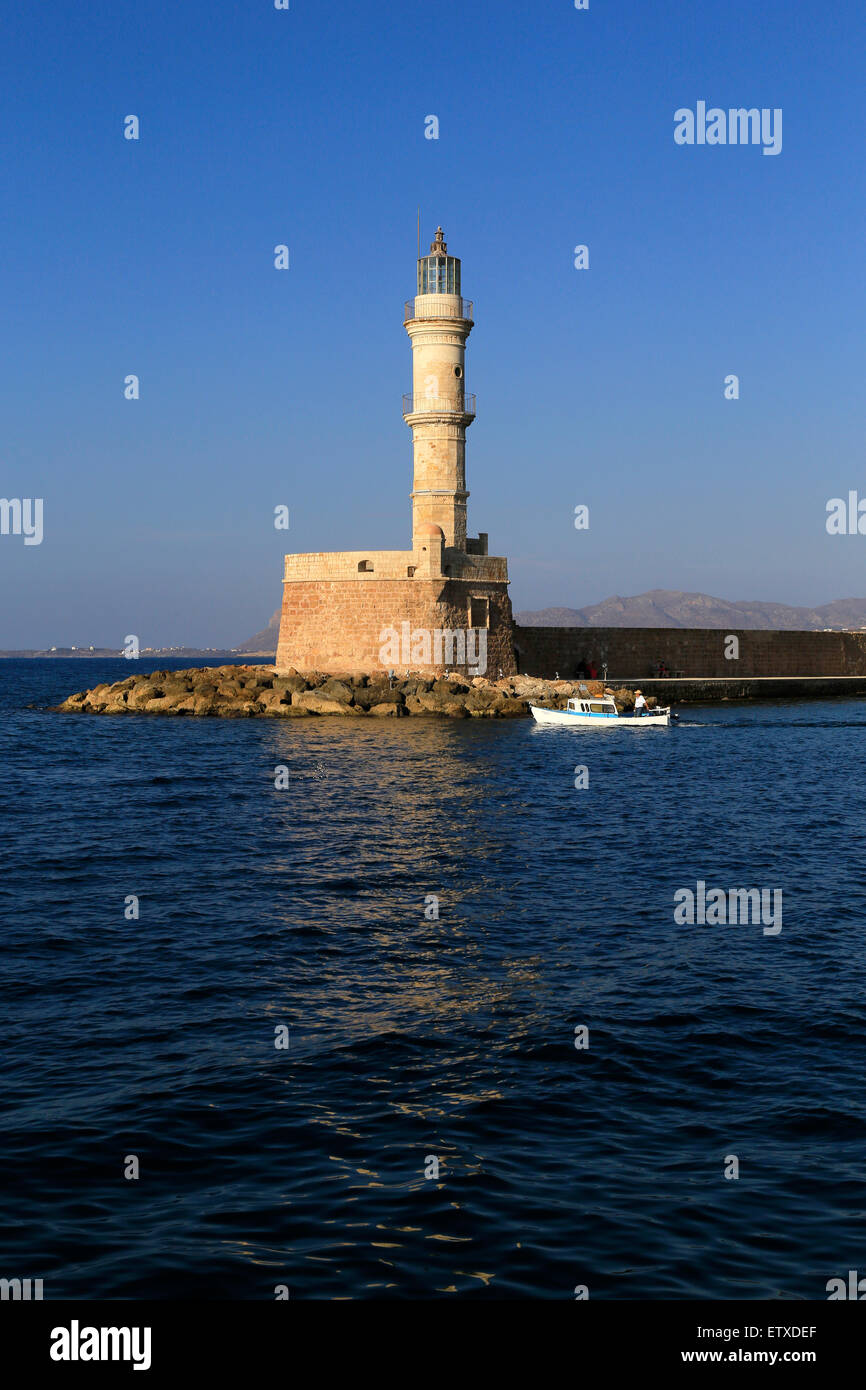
(603, 707)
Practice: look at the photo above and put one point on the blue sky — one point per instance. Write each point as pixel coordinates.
(260, 387)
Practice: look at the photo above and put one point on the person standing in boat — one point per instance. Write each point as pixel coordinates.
(640, 704)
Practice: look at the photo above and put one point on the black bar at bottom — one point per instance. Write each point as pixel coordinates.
(420, 1340)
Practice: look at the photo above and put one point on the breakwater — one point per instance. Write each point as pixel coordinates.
(237, 692)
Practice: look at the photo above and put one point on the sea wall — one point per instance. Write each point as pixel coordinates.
(634, 653)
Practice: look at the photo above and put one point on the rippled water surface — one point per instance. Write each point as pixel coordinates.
(412, 1038)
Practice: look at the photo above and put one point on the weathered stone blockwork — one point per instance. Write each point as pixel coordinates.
(634, 652)
(337, 625)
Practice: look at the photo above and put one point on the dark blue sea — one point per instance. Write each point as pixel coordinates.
(415, 1038)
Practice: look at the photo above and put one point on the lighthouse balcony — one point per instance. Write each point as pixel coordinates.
(462, 405)
(438, 306)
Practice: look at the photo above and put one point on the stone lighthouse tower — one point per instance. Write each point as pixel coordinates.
(445, 597)
(439, 410)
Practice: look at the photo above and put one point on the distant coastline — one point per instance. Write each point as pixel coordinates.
(152, 653)
(657, 608)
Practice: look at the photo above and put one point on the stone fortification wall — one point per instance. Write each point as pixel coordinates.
(337, 624)
(633, 653)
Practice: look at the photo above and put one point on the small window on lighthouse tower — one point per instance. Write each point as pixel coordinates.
(365, 566)
(458, 371)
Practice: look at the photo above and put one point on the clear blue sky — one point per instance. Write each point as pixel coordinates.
(261, 387)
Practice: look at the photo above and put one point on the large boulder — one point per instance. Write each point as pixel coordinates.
(240, 709)
(254, 684)
(170, 701)
(512, 709)
(334, 689)
(415, 685)
(112, 702)
(270, 703)
(483, 701)
(440, 702)
(273, 701)
(141, 693)
(624, 699)
(378, 692)
(528, 687)
(287, 685)
(185, 705)
(452, 686)
(316, 703)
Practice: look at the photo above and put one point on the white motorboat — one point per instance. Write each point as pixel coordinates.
(600, 712)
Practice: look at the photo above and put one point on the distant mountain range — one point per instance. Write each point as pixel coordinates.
(673, 608)
(660, 608)
(264, 641)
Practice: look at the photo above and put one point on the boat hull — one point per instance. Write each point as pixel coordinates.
(600, 721)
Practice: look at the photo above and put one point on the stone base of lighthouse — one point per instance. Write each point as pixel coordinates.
(381, 610)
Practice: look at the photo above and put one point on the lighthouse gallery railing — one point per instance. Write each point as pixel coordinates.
(458, 405)
(462, 309)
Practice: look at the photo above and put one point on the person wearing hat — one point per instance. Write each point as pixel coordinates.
(640, 704)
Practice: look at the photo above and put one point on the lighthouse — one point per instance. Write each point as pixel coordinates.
(338, 604)
(439, 409)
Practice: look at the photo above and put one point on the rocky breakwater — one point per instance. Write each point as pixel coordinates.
(242, 692)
